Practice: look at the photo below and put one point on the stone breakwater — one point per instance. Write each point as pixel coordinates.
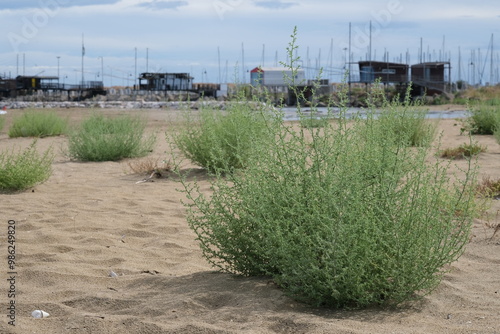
(114, 98)
(6, 105)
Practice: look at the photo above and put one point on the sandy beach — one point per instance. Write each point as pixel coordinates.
(91, 219)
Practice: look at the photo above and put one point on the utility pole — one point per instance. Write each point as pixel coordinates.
(102, 69)
(444, 58)
(243, 62)
(135, 70)
(349, 70)
(370, 45)
(263, 55)
(459, 65)
(491, 61)
(421, 50)
(83, 55)
(58, 57)
(218, 59)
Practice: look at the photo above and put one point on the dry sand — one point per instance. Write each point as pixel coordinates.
(90, 219)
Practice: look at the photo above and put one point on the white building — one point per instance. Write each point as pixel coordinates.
(277, 76)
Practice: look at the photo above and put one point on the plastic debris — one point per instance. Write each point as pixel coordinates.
(39, 314)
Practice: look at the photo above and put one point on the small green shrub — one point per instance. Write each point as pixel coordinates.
(311, 122)
(463, 151)
(24, 169)
(102, 138)
(483, 120)
(460, 100)
(493, 102)
(405, 121)
(342, 216)
(222, 141)
(38, 124)
(489, 187)
(2, 122)
(496, 134)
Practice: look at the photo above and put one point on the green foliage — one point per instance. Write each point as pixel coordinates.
(483, 120)
(24, 169)
(348, 218)
(405, 121)
(38, 124)
(460, 100)
(312, 122)
(489, 187)
(463, 151)
(492, 102)
(496, 133)
(338, 216)
(222, 141)
(102, 138)
(2, 122)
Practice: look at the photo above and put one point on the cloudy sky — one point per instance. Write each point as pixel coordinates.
(220, 40)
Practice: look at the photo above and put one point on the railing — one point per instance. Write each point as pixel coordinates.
(62, 86)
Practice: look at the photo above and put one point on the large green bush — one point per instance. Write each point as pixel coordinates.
(101, 138)
(25, 168)
(222, 140)
(339, 216)
(38, 124)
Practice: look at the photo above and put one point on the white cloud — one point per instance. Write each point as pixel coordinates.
(162, 4)
(275, 4)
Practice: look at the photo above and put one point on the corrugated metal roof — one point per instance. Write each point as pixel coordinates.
(432, 63)
(382, 63)
(272, 69)
(37, 77)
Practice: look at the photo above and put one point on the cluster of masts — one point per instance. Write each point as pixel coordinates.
(472, 69)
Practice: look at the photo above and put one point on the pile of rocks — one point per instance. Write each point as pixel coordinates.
(114, 104)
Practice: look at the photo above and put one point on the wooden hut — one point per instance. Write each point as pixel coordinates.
(431, 77)
(385, 72)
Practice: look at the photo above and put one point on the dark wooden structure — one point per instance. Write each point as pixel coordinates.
(37, 82)
(165, 81)
(426, 78)
(29, 85)
(385, 72)
(206, 89)
(8, 87)
(431, 78)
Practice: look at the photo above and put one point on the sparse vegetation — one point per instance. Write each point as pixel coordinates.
(25, 168)
(102, 138)
(489, 187)
(38, 124)
(463, 151)
(482, 95)
(149, 165)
